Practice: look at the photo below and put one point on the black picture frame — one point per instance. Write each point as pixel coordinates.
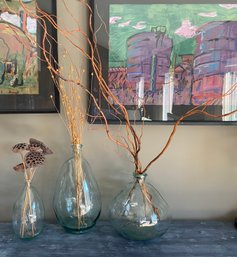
(40, 102)
(154, 113)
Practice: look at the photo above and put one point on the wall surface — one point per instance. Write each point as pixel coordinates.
(197, 175)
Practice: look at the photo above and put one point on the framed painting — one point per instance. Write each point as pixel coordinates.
(162, 60)
(25, 82)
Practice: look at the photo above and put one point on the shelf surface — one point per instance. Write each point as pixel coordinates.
(184, 239)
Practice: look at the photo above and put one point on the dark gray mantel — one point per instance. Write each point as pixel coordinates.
(184, 239)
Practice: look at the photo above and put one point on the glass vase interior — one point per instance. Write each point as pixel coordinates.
(139, 212)
(77, 203)
(28, 213)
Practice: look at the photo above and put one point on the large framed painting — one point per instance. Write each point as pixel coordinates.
(162, 60)
(25, 82)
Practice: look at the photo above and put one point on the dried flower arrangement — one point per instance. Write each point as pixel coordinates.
(131, 137)
(71, 94)
(71, 81)
(32, 156)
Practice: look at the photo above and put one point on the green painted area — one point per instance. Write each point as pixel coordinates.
(169, 15)
(14, 4)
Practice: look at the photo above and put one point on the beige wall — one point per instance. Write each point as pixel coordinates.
(197, 175)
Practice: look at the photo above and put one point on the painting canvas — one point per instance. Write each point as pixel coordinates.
(165, 59)
(18, 56)
(25, 84)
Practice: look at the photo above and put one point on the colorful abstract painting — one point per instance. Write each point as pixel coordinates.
(164, 59)
(18, 50)
(26, 84)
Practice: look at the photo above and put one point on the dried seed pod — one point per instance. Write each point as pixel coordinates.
(38, 144)
(33, 159)
(19, 167)
(35, 148)
(20, 147)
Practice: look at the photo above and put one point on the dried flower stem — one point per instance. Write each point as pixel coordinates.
(27, 203)
(34, 156)
(79, 186)
(147, 198)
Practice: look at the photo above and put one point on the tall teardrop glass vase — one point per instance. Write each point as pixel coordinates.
(28, 213)
(77, 203)
(139, 212)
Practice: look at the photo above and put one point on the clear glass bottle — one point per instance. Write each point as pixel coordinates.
(139, 212)
(77, 203)
(28, 213)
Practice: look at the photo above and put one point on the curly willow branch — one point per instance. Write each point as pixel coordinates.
(132, 142)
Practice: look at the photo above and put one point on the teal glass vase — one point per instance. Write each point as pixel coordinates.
(77, 203)
(28, 213)
(139, 212)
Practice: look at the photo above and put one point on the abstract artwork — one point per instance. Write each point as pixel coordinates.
(25, 84)
(18, 53)
(165, 59)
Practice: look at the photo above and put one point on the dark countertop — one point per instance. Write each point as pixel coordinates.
(184, 239)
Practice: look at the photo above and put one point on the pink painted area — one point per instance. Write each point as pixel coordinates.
(183, 79)
(15, 38)
(114, 19)
(124, 24)
(208, 14)
(228, 6)
(186, 30)
(208, 89)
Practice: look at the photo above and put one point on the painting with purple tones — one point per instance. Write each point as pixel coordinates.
(165, 59)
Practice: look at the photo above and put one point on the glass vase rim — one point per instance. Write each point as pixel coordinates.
(140, 175)
(77, 145)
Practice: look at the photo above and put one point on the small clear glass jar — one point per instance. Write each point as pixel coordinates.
(28, 213)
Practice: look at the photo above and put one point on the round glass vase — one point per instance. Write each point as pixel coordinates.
(139, 212)
(28, 213)
(77, 203)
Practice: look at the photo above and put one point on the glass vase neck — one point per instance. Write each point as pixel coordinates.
(28, 184)
(139, 176)
(77, 148)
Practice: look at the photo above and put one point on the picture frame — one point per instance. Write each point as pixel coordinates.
(163, 59)
(26, 85)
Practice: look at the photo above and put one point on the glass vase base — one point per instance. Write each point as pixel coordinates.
(72, 226)
(132, 231)
(28, 238)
